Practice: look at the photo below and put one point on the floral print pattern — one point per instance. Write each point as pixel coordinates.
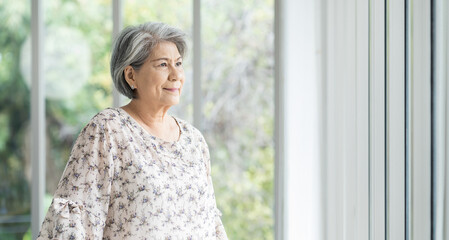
(123, 183)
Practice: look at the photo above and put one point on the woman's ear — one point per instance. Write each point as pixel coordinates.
(129, 73)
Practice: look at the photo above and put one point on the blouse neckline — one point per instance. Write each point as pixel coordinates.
(128, 116)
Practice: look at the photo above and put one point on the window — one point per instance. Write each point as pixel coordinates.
(238, 107)
(236, 94)
(76, 73)
(325, 119)
(15, 167)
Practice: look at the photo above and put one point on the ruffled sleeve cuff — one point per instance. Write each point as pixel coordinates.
(219, 228)
(70, 220)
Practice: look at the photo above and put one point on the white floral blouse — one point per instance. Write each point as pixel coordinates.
(123, 183)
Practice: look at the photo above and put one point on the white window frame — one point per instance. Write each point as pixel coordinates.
(279, 136)
(38, 145)
(376, 146)
(298, 121)
(418, 155)
(377, 120)
(441, 120)
(395, 132)
(117, 26)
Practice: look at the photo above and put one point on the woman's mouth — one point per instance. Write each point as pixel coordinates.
(172, 89)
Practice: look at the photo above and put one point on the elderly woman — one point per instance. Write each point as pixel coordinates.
(136, 172)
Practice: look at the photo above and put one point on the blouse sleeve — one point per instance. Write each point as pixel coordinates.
(219, 228)
(80, 203)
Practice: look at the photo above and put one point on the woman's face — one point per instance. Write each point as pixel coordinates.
(159, 81)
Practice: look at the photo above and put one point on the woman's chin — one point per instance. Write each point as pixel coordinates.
(171, 102)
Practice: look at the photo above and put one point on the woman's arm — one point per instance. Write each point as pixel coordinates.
(219, 228)
(80, 203)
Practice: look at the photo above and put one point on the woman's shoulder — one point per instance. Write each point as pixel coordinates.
(107, 116)
(189, 130)
(103, 120)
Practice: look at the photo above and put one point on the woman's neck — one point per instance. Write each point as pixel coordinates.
(154, 120)
(150, 115)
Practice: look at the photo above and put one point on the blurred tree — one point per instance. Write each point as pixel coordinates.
(64, 117)
(238, 60)
(238, 90)
(14, 120)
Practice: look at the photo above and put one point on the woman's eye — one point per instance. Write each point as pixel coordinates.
(163, 64)
(178, 64)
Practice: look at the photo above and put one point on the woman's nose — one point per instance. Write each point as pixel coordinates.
(176, 73)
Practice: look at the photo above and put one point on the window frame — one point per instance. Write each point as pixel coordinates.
(38, 146)
(418, 120)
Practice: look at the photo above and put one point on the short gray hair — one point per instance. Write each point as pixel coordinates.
(134, 45)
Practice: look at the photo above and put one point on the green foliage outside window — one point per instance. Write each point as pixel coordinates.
(237, 86)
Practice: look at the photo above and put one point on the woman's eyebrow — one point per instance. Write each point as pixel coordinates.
(163, 58)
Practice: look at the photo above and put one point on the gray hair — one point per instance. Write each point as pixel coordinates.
(134, 45)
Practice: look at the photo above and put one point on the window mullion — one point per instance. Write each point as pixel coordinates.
(37, 117)
(197, 91)
(377, 120)
(117, 22)
(395, 110)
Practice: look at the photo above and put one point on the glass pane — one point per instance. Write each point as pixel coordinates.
(15, 164)
(77, 47)
(177, 13)
(238, 91)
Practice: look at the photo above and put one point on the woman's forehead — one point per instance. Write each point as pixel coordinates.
(165, 50)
